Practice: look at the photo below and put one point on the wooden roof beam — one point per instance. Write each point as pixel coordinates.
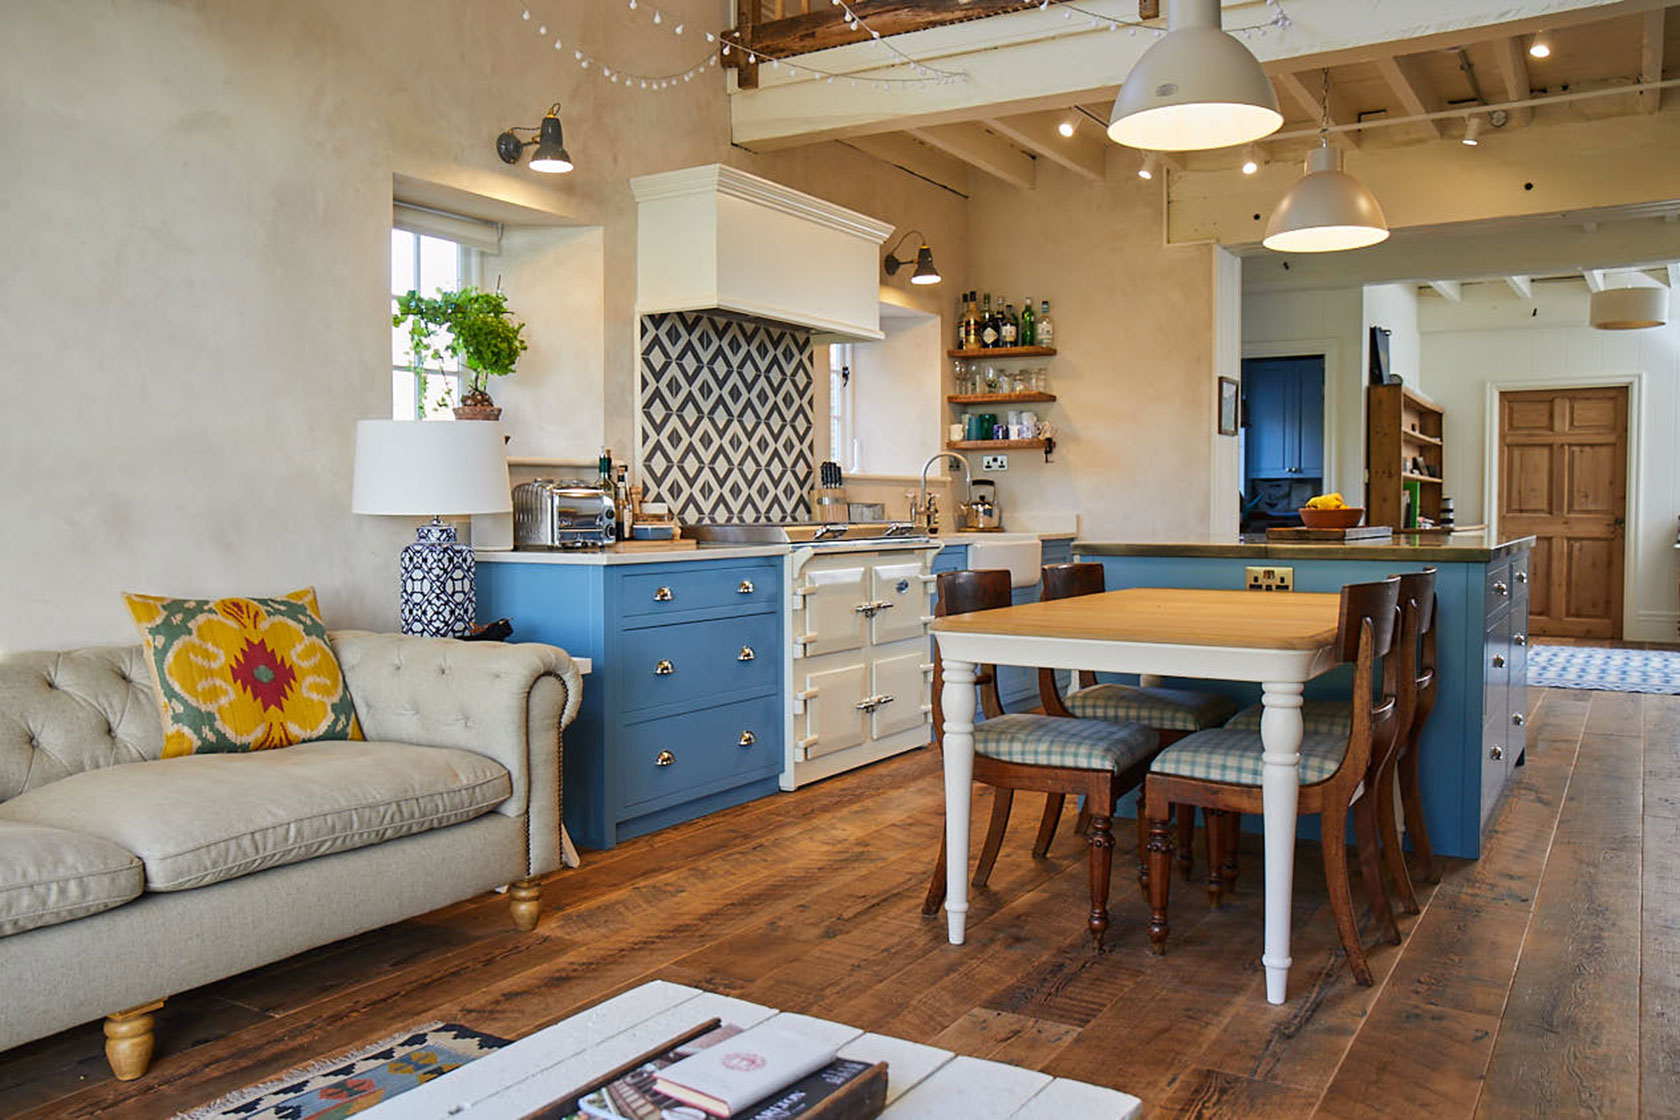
(1084, 153)
(1450, 290)
(1651, 59)
(920, 160)
(1417, 96)
(1521, 286)
(1513, 78)
(1594, 278)
(825, 26)
(975, 146)
(1298, 89)
(1674, 276)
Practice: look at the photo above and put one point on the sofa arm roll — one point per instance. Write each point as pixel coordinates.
(507, 702)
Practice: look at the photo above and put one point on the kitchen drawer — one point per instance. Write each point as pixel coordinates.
(1496, 669)
(1497, 595)
(695, 662)
(678, 588)
(678, 758)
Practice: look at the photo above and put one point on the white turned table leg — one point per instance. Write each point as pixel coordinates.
(957, 699)
(1280, 790)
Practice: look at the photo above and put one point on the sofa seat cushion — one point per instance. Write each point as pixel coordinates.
(50, 875)
(204, 818)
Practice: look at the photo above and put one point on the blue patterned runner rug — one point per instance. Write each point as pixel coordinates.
(355, 1081)
(1604, 670)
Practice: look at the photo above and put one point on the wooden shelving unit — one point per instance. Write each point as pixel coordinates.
(1404, 429)
(1001, 398)
(1005, 352)
(996, 444)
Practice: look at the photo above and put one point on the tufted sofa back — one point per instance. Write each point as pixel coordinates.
(62, 712)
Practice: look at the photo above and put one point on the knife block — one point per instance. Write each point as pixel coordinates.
(828, 505)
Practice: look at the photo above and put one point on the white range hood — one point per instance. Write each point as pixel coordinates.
(713, 237)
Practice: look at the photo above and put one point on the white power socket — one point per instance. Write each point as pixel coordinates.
(994, 462)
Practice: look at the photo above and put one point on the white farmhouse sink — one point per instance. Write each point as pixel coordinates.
(1021, 553)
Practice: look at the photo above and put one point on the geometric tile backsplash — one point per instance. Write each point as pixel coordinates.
(727, 430)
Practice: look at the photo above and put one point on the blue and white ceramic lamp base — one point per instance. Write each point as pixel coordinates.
(439, 599)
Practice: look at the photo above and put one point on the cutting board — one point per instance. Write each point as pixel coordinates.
(652, 546)
(1357, 533)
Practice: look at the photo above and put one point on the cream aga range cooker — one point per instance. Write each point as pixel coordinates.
(860, 663)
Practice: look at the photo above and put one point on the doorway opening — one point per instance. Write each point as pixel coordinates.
(1283, 438)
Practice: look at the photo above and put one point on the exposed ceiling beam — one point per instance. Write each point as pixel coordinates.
(1450, 290)
(1513, 77)
(1305, 92)
(827, 24)
(1674, 276)
(1651, 59)
(1406, 78)
(918, 159)
(1594, 278)
(974, 145)
(1084, 153)
(1521, 286)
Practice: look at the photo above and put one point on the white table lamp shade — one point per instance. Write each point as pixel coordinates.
(419, 468)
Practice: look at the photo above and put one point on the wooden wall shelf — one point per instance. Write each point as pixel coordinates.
(1391, 446)
(1001, 398)
(1006, 352)
(996, 444)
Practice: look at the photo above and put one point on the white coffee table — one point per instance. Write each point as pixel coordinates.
(923, 1082)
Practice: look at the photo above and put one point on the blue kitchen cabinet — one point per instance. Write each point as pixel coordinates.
(1017, 686)
(1284, 437)
(685, 708)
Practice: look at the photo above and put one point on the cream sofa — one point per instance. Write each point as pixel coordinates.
(125, 878)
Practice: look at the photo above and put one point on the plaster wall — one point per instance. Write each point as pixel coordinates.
(1134, 375)
(1328, 322)
(895, 395)
(205, 315)
(1496, 339)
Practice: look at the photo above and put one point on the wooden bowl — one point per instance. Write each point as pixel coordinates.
(1345, 518)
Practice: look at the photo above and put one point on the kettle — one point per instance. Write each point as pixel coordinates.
(983, 514)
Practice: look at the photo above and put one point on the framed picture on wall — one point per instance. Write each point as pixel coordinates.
(1229, 392)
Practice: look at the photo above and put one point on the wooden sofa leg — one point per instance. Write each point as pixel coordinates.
(525, 900)
(128, 1040)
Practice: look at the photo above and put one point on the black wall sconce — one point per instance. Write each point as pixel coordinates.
(926, 272)
(550, 157)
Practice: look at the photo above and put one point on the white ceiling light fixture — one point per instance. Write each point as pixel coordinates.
(1252, 160)
(1066, 127)
(1540, 46)
(1146, 169)
(1196, 88)
(1629, 309)
(1472, 132)
(1327, 210)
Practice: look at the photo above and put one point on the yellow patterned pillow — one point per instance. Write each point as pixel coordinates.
(243, 674)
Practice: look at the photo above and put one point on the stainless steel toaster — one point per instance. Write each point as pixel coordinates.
(566, 514)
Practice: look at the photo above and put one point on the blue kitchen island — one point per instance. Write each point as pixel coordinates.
(1477, 733)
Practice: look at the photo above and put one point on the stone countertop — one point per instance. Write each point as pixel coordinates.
(971, 537)
(610, 556)
(1471, 548)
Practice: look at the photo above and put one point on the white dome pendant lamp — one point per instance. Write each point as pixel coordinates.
(1194, 89)
(1327, 210)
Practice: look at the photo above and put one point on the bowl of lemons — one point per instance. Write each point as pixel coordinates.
(1329, 511)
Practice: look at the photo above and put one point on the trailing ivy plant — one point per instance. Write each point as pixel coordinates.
(472, 325)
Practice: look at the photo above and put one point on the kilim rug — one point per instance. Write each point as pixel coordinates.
(353, 1082)
(1604, 670)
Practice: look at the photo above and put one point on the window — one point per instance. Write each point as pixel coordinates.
(842, 447)
(429, 265)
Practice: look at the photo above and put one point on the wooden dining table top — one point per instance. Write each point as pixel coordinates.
(1282, 620)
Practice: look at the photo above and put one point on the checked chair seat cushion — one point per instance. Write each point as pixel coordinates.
(1232, 756)
(1080, 744)
(1329, 717)
(1168, 709)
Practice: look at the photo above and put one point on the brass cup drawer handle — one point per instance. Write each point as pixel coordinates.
(746, 588)
(662, 595)
(746, 654)
(664, 668)
(665, 759)
(747, 739)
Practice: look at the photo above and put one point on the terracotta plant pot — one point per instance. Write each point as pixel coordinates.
(478, 412)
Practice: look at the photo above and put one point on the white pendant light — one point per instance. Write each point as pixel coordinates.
(1196, 88)
(1326, 211)
(1629, 309)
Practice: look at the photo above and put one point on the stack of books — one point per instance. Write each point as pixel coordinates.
(717, 1070)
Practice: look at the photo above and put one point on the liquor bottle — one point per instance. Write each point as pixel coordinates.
(971, 325)
(1028, 334)
(604, 470)
(957, 319)
(1011, 328)
(988, 324)
(1046, 329)
(621, 497)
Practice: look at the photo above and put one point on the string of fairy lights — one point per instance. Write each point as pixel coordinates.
(720, 48)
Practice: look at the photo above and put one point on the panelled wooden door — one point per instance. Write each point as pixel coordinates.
(1563, 479)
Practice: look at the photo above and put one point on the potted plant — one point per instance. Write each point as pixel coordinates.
(473, 325)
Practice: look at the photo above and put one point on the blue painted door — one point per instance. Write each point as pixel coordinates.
(1285, 433)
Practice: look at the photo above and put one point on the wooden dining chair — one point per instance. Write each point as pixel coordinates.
(1221, 769)
(1100, 760)
(1172, 712)
(1416, 699)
